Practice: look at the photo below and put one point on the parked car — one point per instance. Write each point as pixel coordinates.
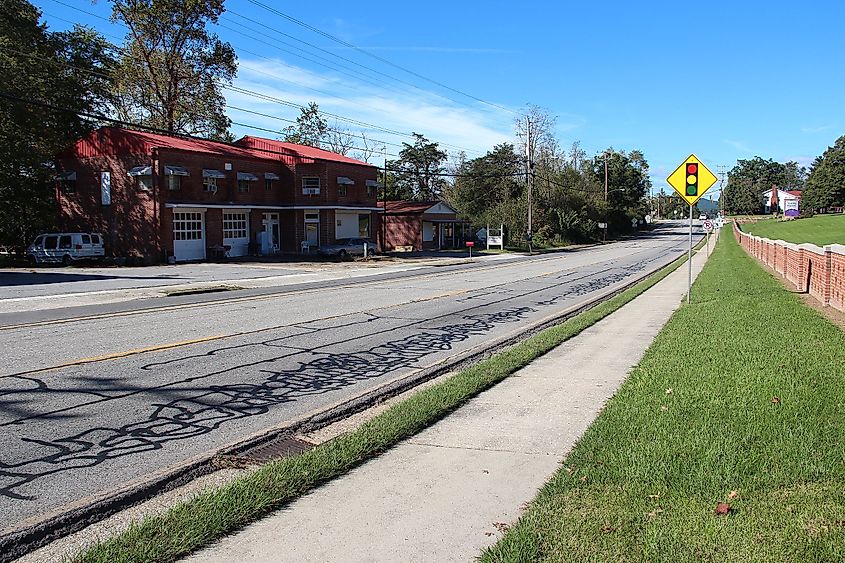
(702, 217)
(344, 248)
(65, 248)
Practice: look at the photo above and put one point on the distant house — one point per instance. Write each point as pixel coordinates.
(160, 197)
(783, 196)
(421, 225)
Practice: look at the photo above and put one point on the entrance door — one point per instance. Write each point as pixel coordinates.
(236, 232)
(188, 235)
(312, 234)
(312, 227)
(270, 241)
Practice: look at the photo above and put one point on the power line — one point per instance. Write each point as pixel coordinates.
(376, 57)
(128, 124)
(133, 125)
(248, 92)
(378, 72)
(270, 116)
(288, 103)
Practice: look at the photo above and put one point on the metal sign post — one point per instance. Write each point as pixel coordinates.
(708, 228)
(689, 259)
(691, 179)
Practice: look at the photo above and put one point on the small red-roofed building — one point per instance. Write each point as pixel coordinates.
(421, 225)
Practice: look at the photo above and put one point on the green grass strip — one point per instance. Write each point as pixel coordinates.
(740, 399)
(819, 230)
(212, 514)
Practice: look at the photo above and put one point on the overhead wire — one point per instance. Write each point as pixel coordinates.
(376, 57)
(288, 103)
(128, 124)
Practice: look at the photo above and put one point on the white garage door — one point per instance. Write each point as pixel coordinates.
(236, 232)
(188, 235)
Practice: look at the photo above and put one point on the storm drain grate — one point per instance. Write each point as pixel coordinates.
(275, 449)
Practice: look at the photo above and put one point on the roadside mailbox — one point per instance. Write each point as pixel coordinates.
(470, 244)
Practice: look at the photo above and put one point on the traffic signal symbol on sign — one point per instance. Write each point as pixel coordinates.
(692, 179)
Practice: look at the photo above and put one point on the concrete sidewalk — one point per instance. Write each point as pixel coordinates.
(448, 492)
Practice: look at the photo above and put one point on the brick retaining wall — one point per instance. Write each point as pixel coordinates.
(819, 271)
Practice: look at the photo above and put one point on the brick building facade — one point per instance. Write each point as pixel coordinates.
(156, 196)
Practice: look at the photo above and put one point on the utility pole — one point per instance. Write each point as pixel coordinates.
(384, 209)
(605, 197)
(722, 170)
(529, 169)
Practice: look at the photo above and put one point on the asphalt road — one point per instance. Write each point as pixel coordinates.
(90, 405)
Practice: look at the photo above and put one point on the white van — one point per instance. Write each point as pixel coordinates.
(52, 248)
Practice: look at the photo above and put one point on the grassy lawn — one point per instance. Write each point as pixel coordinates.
(199, 521)
(740, 399)
(819, 230)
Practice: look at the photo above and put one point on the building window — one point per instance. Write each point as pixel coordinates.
(268, 184)
(243, 186)
(311, 186)
(145, 183)
(67, 186)
(209, 184)
(187, 225)
(174, 183)
(364, 225)
(341, 191)
(371, 191)
(235, 225)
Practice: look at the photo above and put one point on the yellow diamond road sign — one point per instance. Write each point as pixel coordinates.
(692, 179)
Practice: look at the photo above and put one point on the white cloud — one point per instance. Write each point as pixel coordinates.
(816, 129)
(371, 100)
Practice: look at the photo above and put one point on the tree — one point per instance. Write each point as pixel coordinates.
(416, 174)
(826, 183)
(310, 128)
(368, 149)
(49, 77)
(794, 176)
(338, 140)
(486, 187)
(627, 185)
(173, 69)
(750, 178)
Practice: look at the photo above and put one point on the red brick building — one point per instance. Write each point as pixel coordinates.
(157, 196)
(421, 225)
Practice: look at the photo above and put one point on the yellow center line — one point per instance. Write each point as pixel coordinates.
(172, 345)
(237, 299)
(136, 351)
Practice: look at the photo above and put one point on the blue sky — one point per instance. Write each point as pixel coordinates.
(725, 80)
